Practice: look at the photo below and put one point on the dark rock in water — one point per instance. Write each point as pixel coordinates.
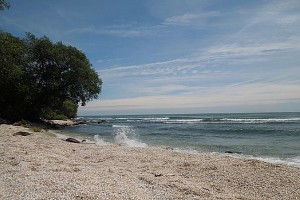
(81, 122)
(231, 152)
(101, 121)
(51, 125)
(83, 141)
(72, 140)
(22, 133)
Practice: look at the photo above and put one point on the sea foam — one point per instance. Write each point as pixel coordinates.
(99, 141)
(126, 136)
(294, 161)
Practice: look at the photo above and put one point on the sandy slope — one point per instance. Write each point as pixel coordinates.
(40, 166)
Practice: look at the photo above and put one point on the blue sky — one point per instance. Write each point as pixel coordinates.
(176, 56)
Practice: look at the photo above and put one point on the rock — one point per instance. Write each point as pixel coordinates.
(170, 175)
(59, 124)
(22, 133)
(101, 121)
(72, 140)
(231, 152)
(157, 175)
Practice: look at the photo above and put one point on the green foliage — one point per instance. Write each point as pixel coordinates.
(23, 122)
(69, 108)
(33, 126)
(49, 113)
(36, 129)
(42, 79)
(4, 4)
(13, 85)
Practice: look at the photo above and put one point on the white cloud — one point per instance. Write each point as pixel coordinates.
(277, 12)
(274, 18)
(181, 20)
(120, 31)
(221, 73)
(249, 94)
(189, 19)
(198, 62)
(232, 50)
(14, 22)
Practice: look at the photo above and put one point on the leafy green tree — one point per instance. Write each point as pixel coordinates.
(4, 4)
(13, 87)
(60, 73)
(69, 108)
(55, 77)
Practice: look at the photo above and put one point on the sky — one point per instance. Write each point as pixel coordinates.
(176, 56)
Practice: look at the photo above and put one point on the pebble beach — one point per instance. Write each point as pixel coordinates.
(43, 166)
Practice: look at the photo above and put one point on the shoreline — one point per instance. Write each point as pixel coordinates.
(43, 166)
(293, 161)
(267, 159)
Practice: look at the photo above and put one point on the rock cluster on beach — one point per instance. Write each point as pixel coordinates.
(41, 166)
(60, 123)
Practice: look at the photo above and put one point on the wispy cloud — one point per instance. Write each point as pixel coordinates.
(128, 30)
(282, 12)
(259, 48)
(239, 69)
(16, 23)
(189, 19)
(120, 31)
(205, 58)
(250, 94)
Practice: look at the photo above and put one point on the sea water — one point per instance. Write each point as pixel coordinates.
(271, 137)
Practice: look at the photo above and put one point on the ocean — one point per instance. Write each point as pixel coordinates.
(270, 137)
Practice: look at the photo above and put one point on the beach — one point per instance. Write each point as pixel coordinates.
(43, 166)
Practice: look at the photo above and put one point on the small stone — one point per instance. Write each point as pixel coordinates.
(233, 152)
(22, 133)
(72, 140)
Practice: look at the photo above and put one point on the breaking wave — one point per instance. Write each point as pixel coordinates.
(179, 120)
(126, 136)
(99, 141)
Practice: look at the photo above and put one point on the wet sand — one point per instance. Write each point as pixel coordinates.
(42, 166)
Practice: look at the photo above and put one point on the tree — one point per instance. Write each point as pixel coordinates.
(60, 73)
(56, 78)
(4, 4)
(13, 87)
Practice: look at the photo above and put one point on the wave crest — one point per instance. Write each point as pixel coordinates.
(126, 136)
